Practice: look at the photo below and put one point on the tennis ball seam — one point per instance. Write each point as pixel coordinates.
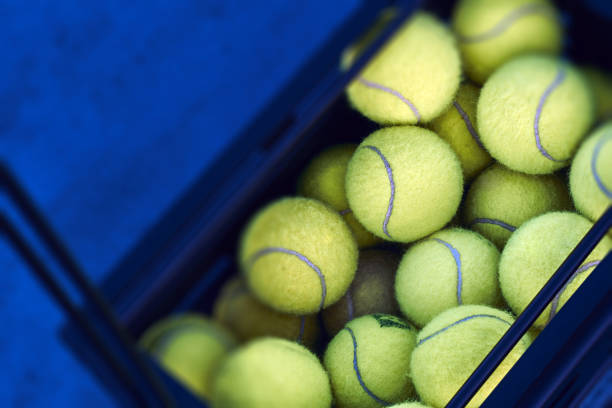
(468, 123)
(358, 373)
(457, 257)
(493, 221)
(301, 257)
(392, 185)
(557, 81)
(596, 176)
(506, 22)
(445, 328)
(380, 87)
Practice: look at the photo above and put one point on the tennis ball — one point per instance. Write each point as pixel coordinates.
(247, 318)
(368, 362)
(191, 348)
(490, 33)
(458, 127)
(370, 292)
(533, 112)
(299, 256)
(411, 404)
(450, 268)
(500, 200)
(323, 180)
(601, 85)
(451, 347)
(413, 78)
(534, 253)
(591, 174)
(403, 183)
(270, 373)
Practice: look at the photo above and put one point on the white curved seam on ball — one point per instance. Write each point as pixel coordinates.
(397, 94)
(468, 123)
(391, 183)
(442, 330)
(536, 123)
(493, 221)
(457, 257)
(554, 304)
(596, 176)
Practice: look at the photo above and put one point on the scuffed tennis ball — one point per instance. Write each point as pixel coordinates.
(452, 346)
(272, 373)
(299, 256)
(247, 318)
(601, 85)
(458, 127)
(491, 33)
(450, 268)
(591, 174)
(323, 180)
(534, 253)
(413, 78)
(533, 112)
(412, 404)
(368, 362)
(500, 200)
(191, 348)
(370, 292)
(403, 183)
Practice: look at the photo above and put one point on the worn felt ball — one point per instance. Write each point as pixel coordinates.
(591, 174)
(458, 127)
(500, 200)
(533, 112)
(371, 290)
(450, 268)
(403, 183)
(534, 253)
(491, 33)
(191, 348)
(601, 85)
(410, 404)
(452, 346)
(413, 78)
(323, 180)
(298, 255)
(272, 373)
(247, 318)
(368, 362)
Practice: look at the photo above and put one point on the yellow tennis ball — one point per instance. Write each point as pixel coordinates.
(500, 200)
(368, 362)
(534, 253)
(452, 346)
(413, 78)
(403, 183)
(451, 267)
(299, 255)
(191, 348)
(410, 404)
(370, 292)
(533, 112)
(490, 33)
(323, 180)
(247, 318)
(591, 174)
(458, 127)
(601, 85)
(272, 373)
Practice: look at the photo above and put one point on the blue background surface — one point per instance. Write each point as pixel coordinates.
(108, 111)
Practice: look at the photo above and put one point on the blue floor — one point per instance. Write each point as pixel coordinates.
(108, 110)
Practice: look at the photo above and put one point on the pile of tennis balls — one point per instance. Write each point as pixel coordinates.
(405, 258)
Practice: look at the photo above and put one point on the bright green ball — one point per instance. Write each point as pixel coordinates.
(535, 252)
(247, 318)
(413, 78)
(458, 127)
(370, 292)
(299, 255)
(368, 362)
(533, 112)
(411, 404)
(450, 268)
(272, 373)
(191, 348)
(591, 174)
(491, 33)
(452, 346)
(500, 200)
(324, 179)
(403, 183)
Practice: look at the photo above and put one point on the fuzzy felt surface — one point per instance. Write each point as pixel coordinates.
(413, 78)
(450, 268)
(491, 33)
